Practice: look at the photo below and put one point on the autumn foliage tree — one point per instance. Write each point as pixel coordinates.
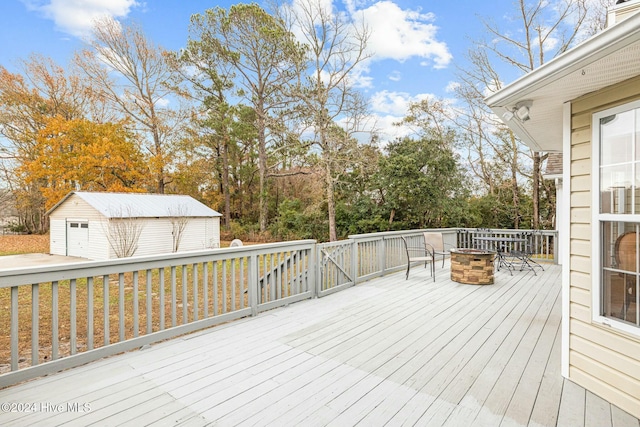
(28, 99)
(78, 154)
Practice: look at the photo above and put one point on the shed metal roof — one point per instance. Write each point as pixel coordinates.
(142, 205)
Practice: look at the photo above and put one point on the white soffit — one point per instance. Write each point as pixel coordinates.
(606, 59)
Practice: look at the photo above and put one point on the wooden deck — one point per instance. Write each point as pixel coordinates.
(386, 352)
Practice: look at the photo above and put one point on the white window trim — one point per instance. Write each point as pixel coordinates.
(596, 250)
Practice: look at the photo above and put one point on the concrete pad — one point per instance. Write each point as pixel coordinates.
(36, 260)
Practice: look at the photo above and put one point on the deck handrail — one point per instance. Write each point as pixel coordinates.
(80, 312)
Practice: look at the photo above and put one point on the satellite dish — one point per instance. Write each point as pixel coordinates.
(235, 243)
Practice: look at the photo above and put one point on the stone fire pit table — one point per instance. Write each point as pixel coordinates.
(472, 266)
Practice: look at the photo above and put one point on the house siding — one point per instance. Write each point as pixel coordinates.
(601, 359)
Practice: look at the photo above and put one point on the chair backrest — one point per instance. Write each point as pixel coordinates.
(625, 251)
(435, 240)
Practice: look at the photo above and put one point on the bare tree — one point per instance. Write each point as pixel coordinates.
(40, 91)
(131, 73)
(123, 232)
(336, 48)
(178, 216)
(537, 31)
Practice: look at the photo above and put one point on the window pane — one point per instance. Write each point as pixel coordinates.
(619, 296)
(616, 136)
(620, 194)
(615, 189)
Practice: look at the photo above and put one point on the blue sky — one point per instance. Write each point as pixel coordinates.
(417, 43)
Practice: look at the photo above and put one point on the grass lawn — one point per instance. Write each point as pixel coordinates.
(14, 244)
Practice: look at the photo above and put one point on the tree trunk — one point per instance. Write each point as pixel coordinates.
(331, 205)
(262, 166)
(225, 182)
(514, 182)
(536, 190)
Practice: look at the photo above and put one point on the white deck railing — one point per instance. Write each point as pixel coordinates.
(61, 316)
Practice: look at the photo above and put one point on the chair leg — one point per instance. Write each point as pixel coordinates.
(433, 266)
(408, 268)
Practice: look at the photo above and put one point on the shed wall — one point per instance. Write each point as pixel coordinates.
(155, 237)
(76, 208)
(601, 359)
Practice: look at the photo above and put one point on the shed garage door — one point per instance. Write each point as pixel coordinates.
(77, 238)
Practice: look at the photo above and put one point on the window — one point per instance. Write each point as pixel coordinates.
(616, 234)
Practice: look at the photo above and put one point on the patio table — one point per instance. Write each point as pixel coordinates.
(498, 245)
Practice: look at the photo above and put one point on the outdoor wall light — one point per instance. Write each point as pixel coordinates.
(507, 116)
(521, 111)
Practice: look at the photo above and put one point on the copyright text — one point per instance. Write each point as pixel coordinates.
(27, 407)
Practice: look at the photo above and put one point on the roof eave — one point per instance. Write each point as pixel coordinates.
(597, 47)
(529, 86)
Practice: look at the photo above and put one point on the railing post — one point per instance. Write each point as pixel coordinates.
(318, 269)
(313, 270)
(354, 261)
(14, 328)
(252, 282)
(382, 256)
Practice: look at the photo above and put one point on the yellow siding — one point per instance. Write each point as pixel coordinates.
(601, 359)
(581, 280)
(581, 296)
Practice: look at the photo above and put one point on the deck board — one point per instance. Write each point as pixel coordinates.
(389, 351)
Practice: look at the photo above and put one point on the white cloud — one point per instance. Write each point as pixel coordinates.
(76, 17)
(395, 76)
(452, 87)
(400, 34)
(395, 103)
(390, 108)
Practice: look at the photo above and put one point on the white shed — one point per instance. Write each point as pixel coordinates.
(113, 225)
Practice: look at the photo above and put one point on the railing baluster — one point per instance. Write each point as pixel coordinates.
(185, 298)
(90, 331)
(174, 297)
(275, 270)
(35, 324)
(72, 317)
(121, 307)
(14, 328)
(253, 285)
(233, 284)
(54, 320)
(224, 286)
(241, 263)
(205, 288)
(149, 303)
(162, 297)
(214, 284)
(272, 279)
(195, 292)
(105, 308)
(136, 323)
